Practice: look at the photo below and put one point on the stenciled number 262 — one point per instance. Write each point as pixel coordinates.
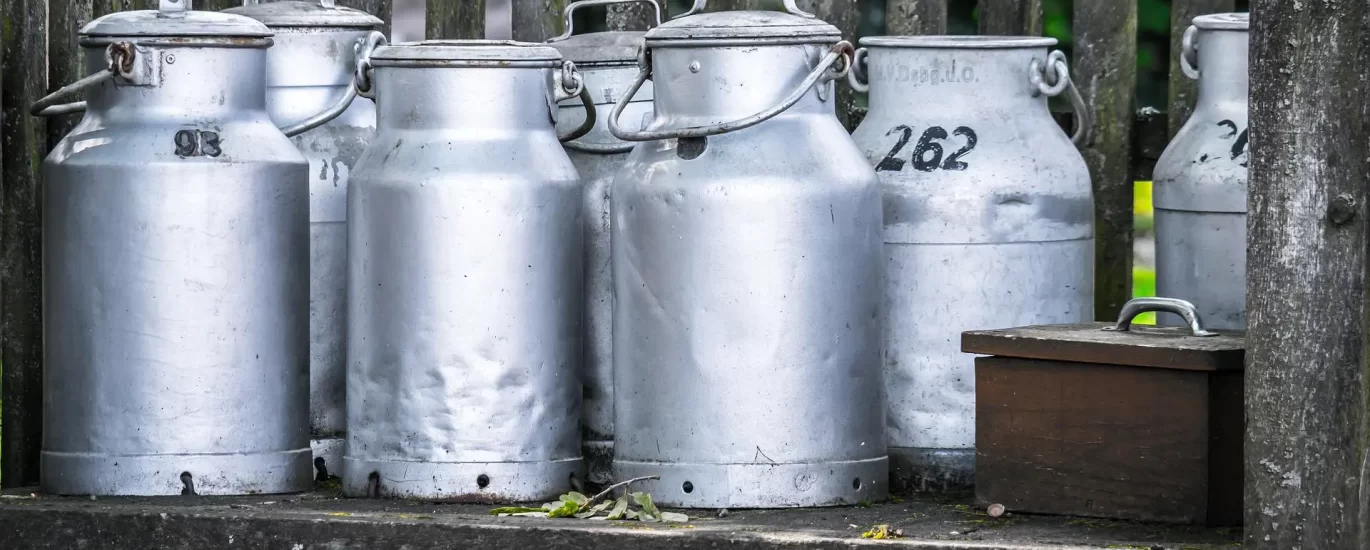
(928, 153)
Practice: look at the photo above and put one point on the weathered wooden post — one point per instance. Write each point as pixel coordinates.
(1011, 17)
(1105, 68)
(460, 19)
(633, 17)
(903, 17)
(23, 78)
(1307, 430)
(382, 9)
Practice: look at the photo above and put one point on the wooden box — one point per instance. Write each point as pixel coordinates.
(1143, 424)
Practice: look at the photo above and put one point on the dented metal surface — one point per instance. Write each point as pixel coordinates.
(464, 280)
(747, 277)
(175, 261)
(1200, 181)
(988, 223)
(309, 68)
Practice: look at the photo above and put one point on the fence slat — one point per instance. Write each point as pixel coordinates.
(66, 60)
(446, 19)
(383, 10)
(536, 20)
(905, 17)
(1307, 436)
(23, 80)
(632, 17)
(1105, 69)
(1011, 17)
(1183, 90)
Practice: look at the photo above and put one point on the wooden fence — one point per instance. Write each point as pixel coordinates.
(39, 52)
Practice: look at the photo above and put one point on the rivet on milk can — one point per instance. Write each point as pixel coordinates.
(175, 266)
(1200, 180)
(988, 222)
(608, 60)
(464, 277)
(310, 67)
(747, 272)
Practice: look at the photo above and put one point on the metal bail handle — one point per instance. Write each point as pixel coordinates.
(1189, 53)
(1052, 79)
(1138, 306)
(790, 7)
(570, 24)
(570, 84)
(362, 49)
(841, 50)
(119, 57)
(859, 77)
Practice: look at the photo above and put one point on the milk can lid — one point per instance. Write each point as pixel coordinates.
(601, 47)
(754, 27)
(1223, 22)
(489, 53)
(175, 19)
(319, 13)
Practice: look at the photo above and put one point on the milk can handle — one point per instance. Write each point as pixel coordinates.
(119, 57)
(363, 49)
(857, 77)
(570, 84)
(789, 7)
(1189, 53)
(841, 50)
(566, 14)
(1138, 306)
(1053, 78)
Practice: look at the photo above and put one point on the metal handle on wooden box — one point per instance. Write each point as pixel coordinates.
(1179, 307)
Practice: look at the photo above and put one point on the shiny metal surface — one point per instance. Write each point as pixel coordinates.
(608, 61)
(309, 68)
(464, 281)
(1199, 190)
(175, 262)
(747, 280)
(988, 223)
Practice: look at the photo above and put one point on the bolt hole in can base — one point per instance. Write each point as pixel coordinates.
(688, 487)
(482, 481)
(187, 483)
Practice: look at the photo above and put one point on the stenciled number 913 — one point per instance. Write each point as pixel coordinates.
(196, 143)
(927, 154)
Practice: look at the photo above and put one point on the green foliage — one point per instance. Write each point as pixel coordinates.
(579, 506)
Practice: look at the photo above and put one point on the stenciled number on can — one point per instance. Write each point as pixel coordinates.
(196, 143)
(928, 153)
(1239, 146)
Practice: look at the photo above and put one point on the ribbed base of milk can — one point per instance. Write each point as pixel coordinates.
(760, 485)
(153, 475)
(330, 450)
(461, 481)
(931, 470)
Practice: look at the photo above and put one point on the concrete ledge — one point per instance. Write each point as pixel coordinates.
(321, 520)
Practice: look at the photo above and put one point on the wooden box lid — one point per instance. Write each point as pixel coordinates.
(1120, 343)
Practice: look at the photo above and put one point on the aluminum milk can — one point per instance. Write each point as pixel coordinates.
(608, 60)
(175, 257)
(988, 223)
(309, 68)
(1200, 180)
(464, 274)
(747, 272)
